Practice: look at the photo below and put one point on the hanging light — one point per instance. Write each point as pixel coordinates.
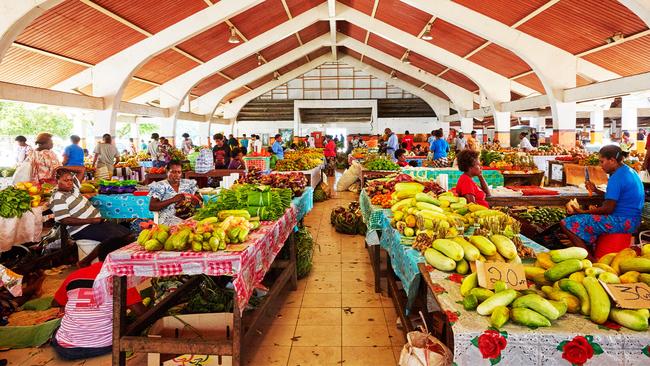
(427, 33)
(259, 60)
(392, 75)
(276, 75)
(233, 36)
(406, 58)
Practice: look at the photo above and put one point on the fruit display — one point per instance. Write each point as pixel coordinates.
(348, 220)
(294, 181)
(319, 193)
(157, 170)
(263, 153)
(210, 234)
(509, 162)
(88, 187)
(117, 186)
(128, 161)
(359, 153)
(14, 202)
(544, 216)
(384, 200)
(386, 185)
(589, 160)
(37, 193)
(305, 159)
(259, 200)
(379, 162)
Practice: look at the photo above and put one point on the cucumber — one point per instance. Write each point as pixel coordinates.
(560, 255)
(598, 299)
(481, 294)
(469, 282)
(560, 306)
(449, 248)
(462, 267)
(631, 319)
(563, 269)
(503, 298)
(578, 290)
(537, 303)
(529, 318)
(483, 244)
(470, 302)
(470, 251)
(438, 260)
(499, 316)
(505, 246)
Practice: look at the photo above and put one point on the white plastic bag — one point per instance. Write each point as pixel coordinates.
(645, 176)
(423, 349)
(23, 172)
(351, 175)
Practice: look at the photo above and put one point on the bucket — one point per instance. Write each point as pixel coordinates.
(611, 243)
(85, 246)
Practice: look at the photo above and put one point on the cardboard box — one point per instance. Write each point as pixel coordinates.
(209, 326)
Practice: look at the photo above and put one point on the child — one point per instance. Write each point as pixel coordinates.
(400, 154)
(237, 159)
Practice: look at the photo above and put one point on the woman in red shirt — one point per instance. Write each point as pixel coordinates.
(330, 156)
(468, 163)
(408, 139)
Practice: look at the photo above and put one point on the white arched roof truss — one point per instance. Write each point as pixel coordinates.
(16, 15)
(639, 7)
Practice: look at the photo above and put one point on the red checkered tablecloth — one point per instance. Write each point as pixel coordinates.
(247, 267)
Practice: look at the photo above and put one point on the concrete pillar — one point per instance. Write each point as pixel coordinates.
(564, 124)
(445, 128)
(466, 125)
(102, 124)
(502, 128)
(597, 125)
(629, 116)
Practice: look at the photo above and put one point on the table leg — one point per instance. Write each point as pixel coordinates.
(376, 263)
(119, 319)
(236, 335)
(293, 262)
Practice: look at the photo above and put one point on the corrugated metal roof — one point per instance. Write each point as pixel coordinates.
(260, 18)
(579, 25)
(20, 66)
(500, 60)
(234, 94)
(352, 30)
(153, 15)
(361, 5)
(135, 88)
(280, 48)
(77, 31)
(209, 44)
(531, 81)
(313, 31)
(402, 16)
(629, 58)
(453, 38)
(297, 7)
(425, 64)
(505, 11)
(436, 91)
(209, 83)
(460, 80)
(241, 67)
(385, 45)
(165, 67)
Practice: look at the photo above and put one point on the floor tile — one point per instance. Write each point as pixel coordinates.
(324, 287)
(395, 334)
(275, 335)
(364, 356)
(357, 286)
(365, 335)
(284, 316)
(267, 356)
(363, 316)
(321, 300)
(336, 258)
(320, 316)
(361, 300)
(317, 335)
(315, 356)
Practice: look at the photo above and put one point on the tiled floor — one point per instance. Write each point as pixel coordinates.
(334, 318)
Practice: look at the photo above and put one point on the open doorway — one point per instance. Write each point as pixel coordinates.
(341, 137)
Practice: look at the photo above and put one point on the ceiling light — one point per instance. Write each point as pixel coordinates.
(618, 36)
(427, 33)
(276, 75)
(392, 75)
(406, 58)
(233, 36)
(259, 60)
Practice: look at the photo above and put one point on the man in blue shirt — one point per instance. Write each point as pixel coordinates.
(73, 157)
(277, 147)
(392, 144)
(431, 139)
(621, 211)
(244, 143)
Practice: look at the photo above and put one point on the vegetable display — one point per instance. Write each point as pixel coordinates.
(348, 220)
(377, 162)
(304, 159)
(261, 201)
(294, 181)
(304, 252)
(544, 215)
(14, 202)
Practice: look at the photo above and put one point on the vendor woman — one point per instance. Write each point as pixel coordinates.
(621, 211)
(166, 195)
(469, 164)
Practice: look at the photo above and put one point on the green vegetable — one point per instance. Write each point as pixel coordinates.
(470, 302)
(529, 318)
(14, 202)
(503, 298)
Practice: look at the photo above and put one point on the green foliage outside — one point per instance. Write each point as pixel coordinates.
(15, 120)
(146, 129)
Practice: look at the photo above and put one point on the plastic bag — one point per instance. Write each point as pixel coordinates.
(23, 172)
(11, 280)
(204, 161)
(351, 175)
(423, 349)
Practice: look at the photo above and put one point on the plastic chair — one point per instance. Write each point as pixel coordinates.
(612, 243)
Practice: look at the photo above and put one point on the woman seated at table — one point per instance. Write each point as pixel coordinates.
(621, 211)
(469, 164)
(172, 192)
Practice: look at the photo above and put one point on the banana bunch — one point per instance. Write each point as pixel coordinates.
(566, 275)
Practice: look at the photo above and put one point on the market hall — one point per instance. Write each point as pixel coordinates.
(321, 182)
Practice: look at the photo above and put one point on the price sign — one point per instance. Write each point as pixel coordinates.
(629, 295)
(512, 274)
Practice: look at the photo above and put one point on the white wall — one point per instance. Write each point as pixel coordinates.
(413, 125)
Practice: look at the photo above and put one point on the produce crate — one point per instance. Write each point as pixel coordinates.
(258, 162)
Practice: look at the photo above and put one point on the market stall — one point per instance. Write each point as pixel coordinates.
(611, 344)
(314, 176)
(21, 213)
(493, 178)
(122, 206)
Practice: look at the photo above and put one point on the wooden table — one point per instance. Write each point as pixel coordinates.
(523, 179)
(202, 178)
(126, 337)
(543, 200)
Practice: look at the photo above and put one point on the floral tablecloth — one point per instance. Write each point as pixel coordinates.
(122, 206)
(572, 337)
(247, 267)
(304, 203)
(493, 178)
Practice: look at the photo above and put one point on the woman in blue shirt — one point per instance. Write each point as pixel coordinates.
(621, 211)
(440, 148)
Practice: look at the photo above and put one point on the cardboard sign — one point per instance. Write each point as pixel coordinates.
(629, 295)
(512, 274)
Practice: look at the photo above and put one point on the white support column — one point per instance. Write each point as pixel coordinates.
(502, 128)
(466, 125)
(564, 124)
(539, 124)
(629, 117)
(597, 125)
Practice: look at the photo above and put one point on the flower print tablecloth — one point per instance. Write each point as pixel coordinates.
(374, 217)
(247, 267)
(571, 338)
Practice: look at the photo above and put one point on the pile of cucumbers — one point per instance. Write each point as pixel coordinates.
(544, 215)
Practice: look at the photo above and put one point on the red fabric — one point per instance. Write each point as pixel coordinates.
(90, 273)
(330, 149)
(402, 163)
(611, 243)
(533, 190)
(467, 186)
(409, 142)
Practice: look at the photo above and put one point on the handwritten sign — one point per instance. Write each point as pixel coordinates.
(629, 295)
(512, 274)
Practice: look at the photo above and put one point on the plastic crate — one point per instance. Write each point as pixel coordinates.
(258, 162)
